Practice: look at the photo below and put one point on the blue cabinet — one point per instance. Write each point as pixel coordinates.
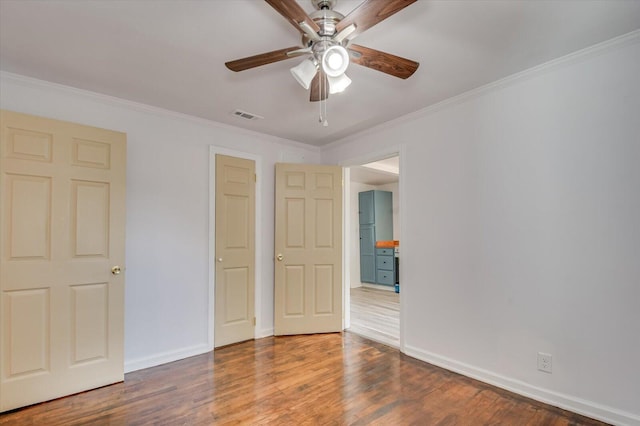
(386, 266)
(375, 212)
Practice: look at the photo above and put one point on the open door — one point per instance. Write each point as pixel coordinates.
(308, 249)
(62, 223)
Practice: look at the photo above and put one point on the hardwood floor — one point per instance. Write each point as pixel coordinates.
(376, 314)
(328, 379)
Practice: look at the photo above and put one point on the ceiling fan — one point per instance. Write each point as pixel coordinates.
(326, 38)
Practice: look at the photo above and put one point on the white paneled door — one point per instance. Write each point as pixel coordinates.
(235, 250)
(62, 223)
(308, 249)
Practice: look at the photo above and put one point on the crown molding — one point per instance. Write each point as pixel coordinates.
(149, 109)
(571, 58)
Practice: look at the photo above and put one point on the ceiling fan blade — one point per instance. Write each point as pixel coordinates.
(264, 58)
(319, 87)
(369, 13)
(292, 11)
(381, 61)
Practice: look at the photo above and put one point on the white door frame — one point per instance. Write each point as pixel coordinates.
(387, 152)
(213, 150)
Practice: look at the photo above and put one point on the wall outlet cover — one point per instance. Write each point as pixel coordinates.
(544, 362)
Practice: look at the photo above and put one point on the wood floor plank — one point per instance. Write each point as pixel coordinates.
(326, 379)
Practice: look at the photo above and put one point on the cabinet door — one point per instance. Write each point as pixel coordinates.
(383, 214)
(385, 277)
(385, 262)
(366, 208)
(367, 254)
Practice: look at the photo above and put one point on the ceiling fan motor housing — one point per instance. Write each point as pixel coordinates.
(324, 4)
(327, 21)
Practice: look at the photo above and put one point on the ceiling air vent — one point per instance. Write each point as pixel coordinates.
(246, 115)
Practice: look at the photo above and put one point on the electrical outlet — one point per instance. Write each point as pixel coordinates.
(544, 362)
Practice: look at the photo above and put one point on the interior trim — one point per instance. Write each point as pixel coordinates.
(557, 399)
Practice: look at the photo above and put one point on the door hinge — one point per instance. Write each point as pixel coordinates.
(254, 321)
(255, 177)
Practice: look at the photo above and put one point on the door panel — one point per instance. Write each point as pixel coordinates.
(90, 321)
(324, 224)
(28, 332)
(295, 226)
(323, 285)
(365, 208)
(62, 225)
(29, 219)
(236, 282)
(308, 246)
(294, 291)
(90, 218)
(235, 250)
(367, 254)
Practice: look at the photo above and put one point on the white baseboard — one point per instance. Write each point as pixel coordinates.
(265, 332)
(379, 287)
(567, 402)
(170, 356)
(165, 357)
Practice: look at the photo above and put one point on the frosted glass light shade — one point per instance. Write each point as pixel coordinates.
(338, 84)
(335, 61)
(304, 72)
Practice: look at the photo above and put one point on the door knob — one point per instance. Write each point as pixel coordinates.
(219, 259)
(116, 270)
(279, 257)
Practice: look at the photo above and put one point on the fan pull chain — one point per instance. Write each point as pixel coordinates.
(325, 123)
(320, 117)
(323, 102)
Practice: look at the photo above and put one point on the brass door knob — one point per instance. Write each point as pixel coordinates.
(279, 257)
(116, 270)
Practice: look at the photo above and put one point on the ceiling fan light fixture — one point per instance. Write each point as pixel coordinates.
(338, 84)
(304, 72)
(335, 61)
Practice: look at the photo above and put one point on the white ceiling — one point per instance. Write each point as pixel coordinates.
(371, 177)
(171, 54)
(377, 173)
(390, 165)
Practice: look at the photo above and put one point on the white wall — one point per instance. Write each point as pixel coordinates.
(521, 218)
(167, 248)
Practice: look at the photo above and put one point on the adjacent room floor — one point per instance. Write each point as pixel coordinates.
(376, 314)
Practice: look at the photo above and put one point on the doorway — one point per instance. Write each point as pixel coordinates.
(373, 281)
